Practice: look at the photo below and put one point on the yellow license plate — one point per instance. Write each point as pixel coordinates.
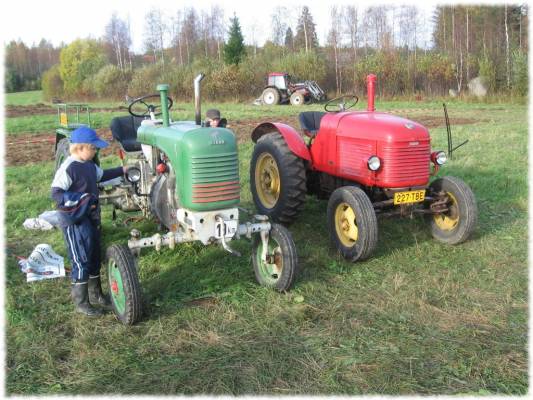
(63, 119)
(414, 196)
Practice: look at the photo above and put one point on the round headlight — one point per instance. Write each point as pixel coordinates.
(441, 158)
(374, 163)
(133, 175)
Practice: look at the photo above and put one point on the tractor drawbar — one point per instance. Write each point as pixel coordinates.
(170, 239)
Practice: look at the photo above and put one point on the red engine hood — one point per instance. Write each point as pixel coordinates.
(346, 140)
(378, 126)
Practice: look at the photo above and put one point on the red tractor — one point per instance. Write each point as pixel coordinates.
(282, 88)
(366, 163)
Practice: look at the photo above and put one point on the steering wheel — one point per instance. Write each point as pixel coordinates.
(343, 103)
(150, 108)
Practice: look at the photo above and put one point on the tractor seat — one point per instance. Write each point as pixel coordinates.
(310, 122)
(124, 130)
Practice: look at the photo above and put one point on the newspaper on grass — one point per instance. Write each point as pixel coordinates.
(43, 263)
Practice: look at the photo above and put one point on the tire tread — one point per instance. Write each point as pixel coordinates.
(294, 187)
(132, 288)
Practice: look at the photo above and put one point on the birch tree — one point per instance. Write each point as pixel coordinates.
(334, 40)
(154, 34)
(118, 38)
(306, 37)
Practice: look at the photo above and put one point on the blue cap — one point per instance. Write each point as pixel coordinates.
(87, 135)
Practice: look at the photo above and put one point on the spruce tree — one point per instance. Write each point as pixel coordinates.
(289, 39)
(305, 37)
(234, 50)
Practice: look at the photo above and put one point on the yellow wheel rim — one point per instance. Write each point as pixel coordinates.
(267, 180)
(345, 224)
(448, 221)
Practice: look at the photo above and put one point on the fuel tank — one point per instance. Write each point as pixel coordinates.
(205, 161)
(346, 141)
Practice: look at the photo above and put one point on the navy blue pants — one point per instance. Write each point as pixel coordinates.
(83, 246)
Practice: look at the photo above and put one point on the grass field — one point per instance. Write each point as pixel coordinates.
(418, 317)
(24, 98)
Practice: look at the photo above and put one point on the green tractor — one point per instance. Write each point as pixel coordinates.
(185, 176)
(68, 119)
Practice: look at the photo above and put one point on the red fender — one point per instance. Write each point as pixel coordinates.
(292, 137)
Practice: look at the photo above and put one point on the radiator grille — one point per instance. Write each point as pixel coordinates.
(353, 156)
(215, 178)
(405, 163)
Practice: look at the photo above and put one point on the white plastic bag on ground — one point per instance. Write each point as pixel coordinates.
(44, 222)
(43, 263)
(51, 217)
(38, 224)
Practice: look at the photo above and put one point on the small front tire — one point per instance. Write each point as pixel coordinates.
(124, 286)
(281, 267)
(352, 223)
(457, 224)
(297, 99)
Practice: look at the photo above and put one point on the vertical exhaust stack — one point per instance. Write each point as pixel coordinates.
(163, 90)
(371, 91)
(197, 99)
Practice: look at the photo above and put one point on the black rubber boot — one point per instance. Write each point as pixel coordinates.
(96, 297)
(80, 296)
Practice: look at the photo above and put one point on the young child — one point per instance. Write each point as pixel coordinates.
(75, 192)
(213, 120)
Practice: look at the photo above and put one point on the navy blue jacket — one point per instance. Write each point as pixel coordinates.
(75, 207)
(79, 176)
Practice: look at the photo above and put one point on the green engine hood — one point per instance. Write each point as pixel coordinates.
(205, 161)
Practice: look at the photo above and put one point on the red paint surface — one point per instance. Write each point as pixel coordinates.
(371, 91)
(292, 137)
(346, 140)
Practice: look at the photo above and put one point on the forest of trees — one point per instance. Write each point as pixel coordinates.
(469, 41)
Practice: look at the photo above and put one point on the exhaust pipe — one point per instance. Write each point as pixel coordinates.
(370, 91)
(197, 99)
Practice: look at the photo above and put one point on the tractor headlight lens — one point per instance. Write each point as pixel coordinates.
(374, 163)
(133, 175)
(439, 157)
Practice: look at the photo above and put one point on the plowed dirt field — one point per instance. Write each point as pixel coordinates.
(37, 147)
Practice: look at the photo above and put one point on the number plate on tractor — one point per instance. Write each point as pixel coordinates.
(413, 196)
(226, 229)
(63, 120)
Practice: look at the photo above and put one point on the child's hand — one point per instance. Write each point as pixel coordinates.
(124, 169)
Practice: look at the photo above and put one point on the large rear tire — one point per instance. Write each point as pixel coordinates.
(352, 223)
(124, 286)
(281, 267)
(270, 96)
(457, 224)
(62, 152)
(277, 179)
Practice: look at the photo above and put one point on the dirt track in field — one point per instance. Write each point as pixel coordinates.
(45, 109)
(38, 147)
(34, 148)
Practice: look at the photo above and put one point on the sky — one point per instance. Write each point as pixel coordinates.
(67, 20)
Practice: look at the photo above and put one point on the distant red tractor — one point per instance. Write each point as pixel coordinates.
(282, 88)
(366, 163)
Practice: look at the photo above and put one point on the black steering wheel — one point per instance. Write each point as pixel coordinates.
(342, 103)
(150, 108)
